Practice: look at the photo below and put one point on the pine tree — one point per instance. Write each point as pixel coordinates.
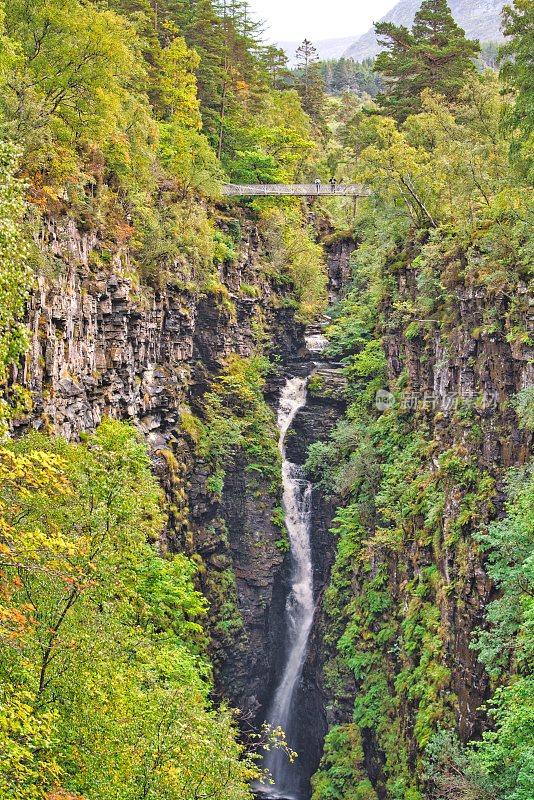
(434, 55)
(275, 62)
(310, 81)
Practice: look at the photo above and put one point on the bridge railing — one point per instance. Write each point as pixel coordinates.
(295, 189)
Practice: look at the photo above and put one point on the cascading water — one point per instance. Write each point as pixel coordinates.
(299, 610)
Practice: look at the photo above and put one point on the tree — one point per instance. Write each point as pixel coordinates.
(279, 143)
(309, 82)
(343, 75)
(517, 73)
(27, 764)
(275, 61)
(77, 61)
(507, 646)
(104, 679)
(231, 76)
(15, 271)
(434, 55)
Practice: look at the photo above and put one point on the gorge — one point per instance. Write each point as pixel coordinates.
(266, 475)
(99, 350)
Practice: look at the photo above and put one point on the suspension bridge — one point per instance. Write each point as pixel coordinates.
(295, 190)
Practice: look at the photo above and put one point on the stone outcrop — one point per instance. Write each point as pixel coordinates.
(339, 270)
(103, 345)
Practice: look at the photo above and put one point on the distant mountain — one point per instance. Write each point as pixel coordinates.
(326, 48)
(479, 18)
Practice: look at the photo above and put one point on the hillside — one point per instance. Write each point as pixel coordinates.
(479, 18)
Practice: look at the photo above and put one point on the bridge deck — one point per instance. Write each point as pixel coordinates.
(295, 189)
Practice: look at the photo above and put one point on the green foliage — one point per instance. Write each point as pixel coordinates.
(343, 75)
(517, 73)
(105, 681)
(278, 519)
(316, 385)
(276, 144)
(283, 544)
(15, 270)
(70, 82)
(186, 155)
(500, 765)
(506, 754)
(27, 763)
(435, 55)
(237, 418)
(508, 644)
(225, 621)
(366, 372)
(525, 407)
(449, 770)
(72, 71)
(438, 193)
(294, 252)
(309, 81)
(443, 167)
(342, 774)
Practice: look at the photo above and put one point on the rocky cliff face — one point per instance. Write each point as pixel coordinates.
(409, 605)
(103, 345)
(465, 362)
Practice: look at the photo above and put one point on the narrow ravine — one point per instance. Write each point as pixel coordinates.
(299, 609)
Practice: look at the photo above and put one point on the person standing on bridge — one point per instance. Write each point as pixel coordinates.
(318, 184)
(333, 184)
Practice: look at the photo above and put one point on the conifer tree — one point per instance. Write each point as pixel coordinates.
(275, 62)
(434, 55)
(310, 82)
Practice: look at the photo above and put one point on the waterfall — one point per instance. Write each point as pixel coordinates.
(299, 610)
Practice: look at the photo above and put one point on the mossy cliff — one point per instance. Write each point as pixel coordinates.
(418, 466)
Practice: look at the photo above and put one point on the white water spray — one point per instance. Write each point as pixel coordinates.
(300, 605)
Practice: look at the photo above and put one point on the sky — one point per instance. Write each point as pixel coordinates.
(289, 20)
